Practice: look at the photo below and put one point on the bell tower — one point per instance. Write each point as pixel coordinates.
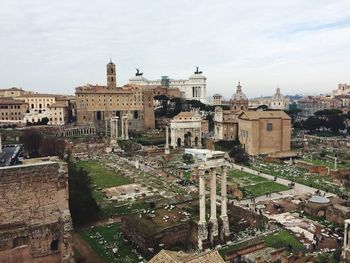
(111, 75)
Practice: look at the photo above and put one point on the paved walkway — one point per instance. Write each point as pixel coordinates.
(298, 189)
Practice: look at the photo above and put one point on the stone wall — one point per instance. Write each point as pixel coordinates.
(35, 222)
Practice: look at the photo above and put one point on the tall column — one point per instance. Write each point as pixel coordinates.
(116, 127)
(213, 219)
(126, 128)
(202, 224)
(122, 123)
(335, 163)
(346, 246)
(0, 144)
(111, 128)
(167, 151)
(224, 218)
(106, 122)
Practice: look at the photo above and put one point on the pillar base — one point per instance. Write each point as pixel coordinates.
(202, 234)
(167, 151)
(225, 226)
(214, 232)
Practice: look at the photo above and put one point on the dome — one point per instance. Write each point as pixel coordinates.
(319, 199)
(239, 95)
(278, 95)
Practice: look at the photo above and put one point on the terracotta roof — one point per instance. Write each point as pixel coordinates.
(185, 114)
(166, 256)
(60, 104)
(11, 101)
(104, 89)
(12, 89)
(255, 115)
(32, 95)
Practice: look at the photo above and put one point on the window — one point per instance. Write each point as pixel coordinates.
(269, 127)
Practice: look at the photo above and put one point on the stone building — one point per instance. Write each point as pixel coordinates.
(35, 222)
(276, 102)
(58, 113)
(167, 256)
(186, 130)
(193, 88)
(12, 92)
(98, 103)
(264, 132)
(239, 100)
(217, 99)
(42, 106)
(12, 111)
(226, 121)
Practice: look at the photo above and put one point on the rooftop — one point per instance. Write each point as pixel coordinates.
(255, 115)
(180, 257)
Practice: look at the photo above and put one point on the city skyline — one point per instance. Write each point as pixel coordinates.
(299, 47)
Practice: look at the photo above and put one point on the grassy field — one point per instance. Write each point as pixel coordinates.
(101, 176)
(327, 163)
(284, 239)
(300, 176)
(265, 187)
(110, 234)
(276, 240)
(253, 185)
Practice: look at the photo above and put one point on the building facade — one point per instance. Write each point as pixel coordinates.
(12, 111)
(186, 130)
(12, 92)
(193, 88)
(226, 121)
(98, 103)
(264, 132)
(217, 99)
(276, 102)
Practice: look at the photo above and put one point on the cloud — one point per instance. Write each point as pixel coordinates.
(301, 46)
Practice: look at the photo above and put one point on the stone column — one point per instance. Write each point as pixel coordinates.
(111, 130)
(0, 144)
(335, 163)
(116, 127)
(213, 218)
(122, 124)
(346, 246)
(126, 128)
(106, 122)
(167, 151)
(224, 218)
(202, 224)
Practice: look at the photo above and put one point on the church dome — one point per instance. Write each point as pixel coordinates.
(239, 95)
(278, 95)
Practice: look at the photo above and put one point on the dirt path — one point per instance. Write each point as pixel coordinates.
(85, 250)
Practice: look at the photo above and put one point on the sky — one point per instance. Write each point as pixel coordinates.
(301, 46)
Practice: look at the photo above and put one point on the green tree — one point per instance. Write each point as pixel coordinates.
(31, 140)
(82, 205)
(187, 158)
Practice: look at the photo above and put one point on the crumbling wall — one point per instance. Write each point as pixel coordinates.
(35, 222)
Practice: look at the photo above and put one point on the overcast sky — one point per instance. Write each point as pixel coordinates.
(302, 46)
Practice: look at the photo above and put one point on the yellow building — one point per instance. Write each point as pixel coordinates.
(11, 92)
(12, 111)
(264, 132)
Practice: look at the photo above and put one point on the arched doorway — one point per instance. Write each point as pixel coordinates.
(178, 142)
(196, 141)
(187, 139)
